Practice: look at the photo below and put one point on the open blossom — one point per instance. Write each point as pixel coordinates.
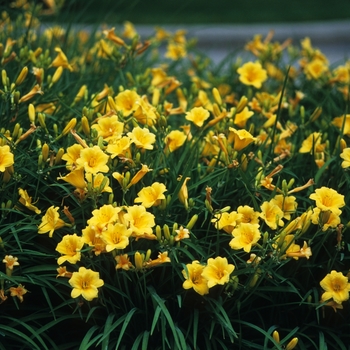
(116, 236)
(27, 201)
(181, 233)
(51, 221)
(94, 160)
(10, 261)
(227, 221)
(194, 279)
(109, 127)
(336, 287)
(85, 282)
(71, 156)
(18, 292)
(174, 140)
(252, 73)
(346, 156)
(272, 214)
(142, 138)
(141, 222)
(123, 262)
(70, 247)
(328, 199)
(240, 138)
(245, 236)
(126, 102)
(198, 115)
(151, 195)
(6, 158)
(217, 271)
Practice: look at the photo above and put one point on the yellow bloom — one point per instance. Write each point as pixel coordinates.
(27, 201)
(140, 221)
(315, 69)
(198, 115)
(70, 246)
(343, 125)
(151, 195)
(129, 30)
(312, 144)
(6, 158)
(139, 175)
(242, 117)
(94, 160)
(123, 262)
(73, 153)
(109, 127)
(183, 193)
(325, 219)
(336, 287)
(92, 237)
(272, 214)
(248, 215)
(162, 258)
(288, 204)
(174, 140)
(252, 74)
(61, 60)
(18, 292)
(227, 221)
(126, 102)
(107, 214)
(245, 236)
(75, 178)
(99, 182)
(51, 221)
(217, 271)
(328, 199)
(120, 147)
(142, 138)
(240, 138)
(116, 237)
(85, 283)
(181, 234)
(346, 156)
(10, 261)
(304, 252)
(175, 51)
(194, 279)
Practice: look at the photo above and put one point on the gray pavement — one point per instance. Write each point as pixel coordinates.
(217, 41)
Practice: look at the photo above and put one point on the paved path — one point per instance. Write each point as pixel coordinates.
(332, 38)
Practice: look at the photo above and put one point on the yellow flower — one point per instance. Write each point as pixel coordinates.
(129, 30)
(93, 238)
(94, 160)
(343, 125)
(312, 144)
(226, 221)
(73, 153)
(242, 117)
(6, 158)
(183, 193)
(126, 102)
(107, 214)
(346, 156)
(248, 215)
(252, 74)
(174, 140)
(85, 283)
(151, 195)
(175, 51)
(288, 204)
(51, 221)
(217, 271)
(139, 175)
(162, 258)
(140, 221)
(304, 252)
(336, 287)
(75, 178)
(27, 201)
(10, 261)
(123, 262)
(315, 69)
(194, 278)
(70, 246)
(61, 60)
(99, 182)
(240, 138)
(119, 147)
(198, 115)
(325, 219)
(109, 127)
(328, 199)
(18, 292)
(142, 138)
(272, 214)
(116, 236)
(245, 236)
(181, 234)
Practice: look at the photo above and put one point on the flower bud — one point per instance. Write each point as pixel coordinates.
(292, 344)
(31, 113)
(217, 97)
(22, 75)
(139, 258)
(59, 155)
(276, 337)
(166, 232)
(192, 222)
(241, 104)
(45, 152)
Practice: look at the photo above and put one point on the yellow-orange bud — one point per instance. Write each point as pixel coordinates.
(85, 125)
(217, 96)
(21, 76)
(57, 75)
(31, 113)
(292, 344)
(71, 125)
(45, 152)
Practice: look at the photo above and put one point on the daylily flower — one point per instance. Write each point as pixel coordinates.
(226, 221)
(142, 138)
(18, 292)
(194, 278)
(162, 259)
(181, 234)
(85, 283)
(346, 156)
(252, 73)
(71, 156)
(116, 236)
(141, 222)
(61, 60)
(174, 140)
(240, 138)
(51, 221)
(6, 158)
(336, 287)
(70, 246)
(27, 201)
(151, 195)
(123, 262)
(328, 199)
(126, 102)
(272, 214)
(217, 271)
(198, 115)
(109, 127)
(245, 236)
(10, 261)
(94, 160)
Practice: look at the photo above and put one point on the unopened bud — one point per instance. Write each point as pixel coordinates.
(292, 344)
(57, 75)
(217, 97)
(166, 232)
(276, 337)
(21, 76)
(31, 113)
(241, 104)
(59, 155)
(315, 115)
(192, 222)
(45, 152)
(138, 260)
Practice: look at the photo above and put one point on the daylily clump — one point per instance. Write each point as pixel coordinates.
(155, 201)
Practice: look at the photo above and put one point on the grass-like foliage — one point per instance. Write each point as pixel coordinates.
(153, 200)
